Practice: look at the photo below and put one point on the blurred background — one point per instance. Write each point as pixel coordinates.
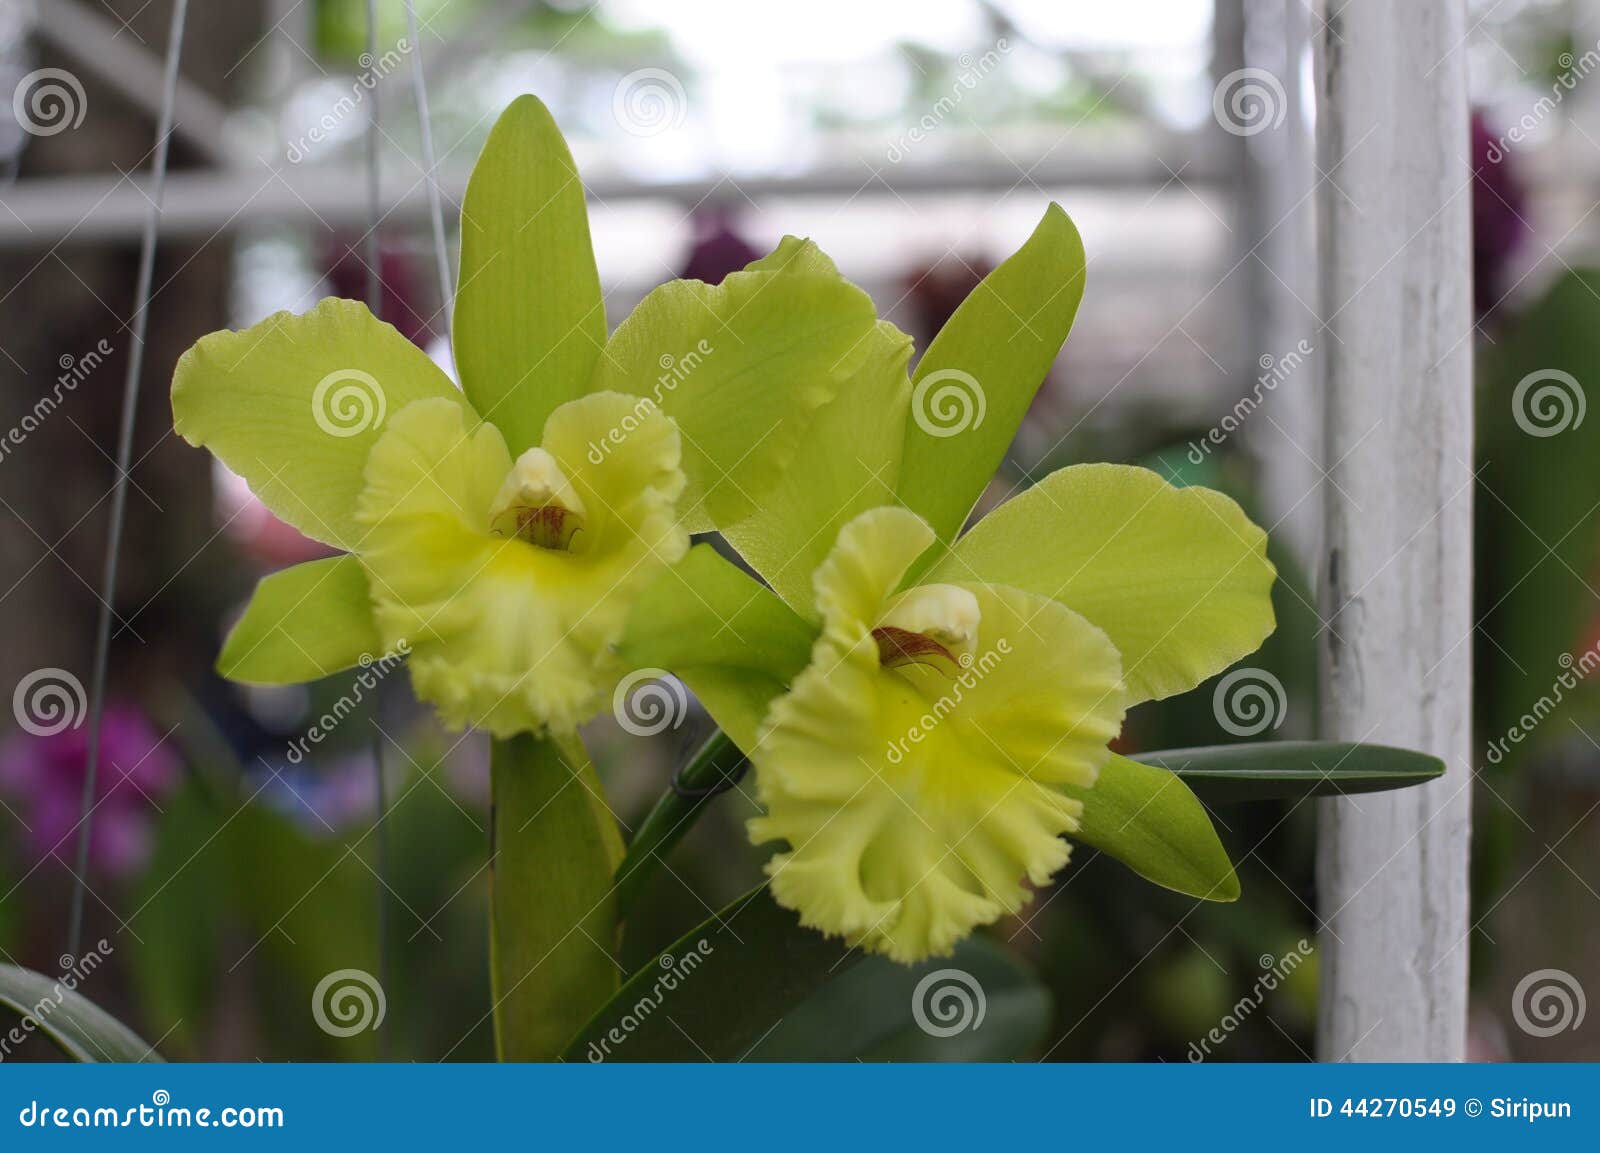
(917, 143)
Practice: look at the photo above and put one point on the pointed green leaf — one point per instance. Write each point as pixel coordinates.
(724, 633)
(848, 462)
(742, 367)
(295, 403)
(303, 623)
(974, 384)
(715, 991)
(1147, 818)
(553, 923)
(981, 1004)
(73, 1023)
(529, 318)
(1290, 770)
(1177, 577)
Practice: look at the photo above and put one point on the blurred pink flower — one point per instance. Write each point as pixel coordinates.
(41, 779)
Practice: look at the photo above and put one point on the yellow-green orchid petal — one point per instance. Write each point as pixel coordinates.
(529, 318)
(511, 622)
(918, 803)
(742, 367)
(1177, 577)
(302, 624)
(295, 403)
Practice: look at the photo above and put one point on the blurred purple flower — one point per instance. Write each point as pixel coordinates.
(1499, 216)
(717, 248)
(42, 781)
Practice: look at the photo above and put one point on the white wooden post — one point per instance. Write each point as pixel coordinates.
(1394, 242)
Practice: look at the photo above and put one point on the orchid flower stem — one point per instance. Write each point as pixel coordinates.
(713, 769)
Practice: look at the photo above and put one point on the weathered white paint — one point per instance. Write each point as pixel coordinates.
(1394, 241)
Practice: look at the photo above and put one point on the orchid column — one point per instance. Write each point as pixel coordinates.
(1394, 206)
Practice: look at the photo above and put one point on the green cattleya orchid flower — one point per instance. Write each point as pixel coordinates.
(922, 755)
(498, 533)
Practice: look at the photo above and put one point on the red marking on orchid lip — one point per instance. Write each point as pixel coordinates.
(548, 526)
(897, 647)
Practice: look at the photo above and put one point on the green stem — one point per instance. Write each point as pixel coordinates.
(717, 762)
(553, 919)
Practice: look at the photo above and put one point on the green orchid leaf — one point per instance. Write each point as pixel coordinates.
(742, 367)
(848, 462)
(553, 924)
(1147, 818)
(295, 403)
(1177, 577)
(981, 1004)
(974, 384)
(302, 624)
(716, 990)
(722, 632)
(69, 1020)
(529, 318)
(1291, 770)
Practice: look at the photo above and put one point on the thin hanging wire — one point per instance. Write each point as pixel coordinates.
(419, 85)
(119, 494)
(375, 305)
